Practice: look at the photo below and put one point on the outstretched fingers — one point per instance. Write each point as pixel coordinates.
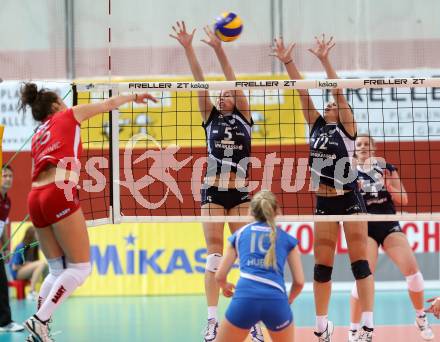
(290, 48)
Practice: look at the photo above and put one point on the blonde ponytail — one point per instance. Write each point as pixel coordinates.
(264, 208)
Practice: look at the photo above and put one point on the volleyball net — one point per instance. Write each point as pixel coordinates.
(146, 162)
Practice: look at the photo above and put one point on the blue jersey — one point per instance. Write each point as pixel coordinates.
(331, 155)
(377, 198)
(228, 138)
(256, 280)
(17, 260)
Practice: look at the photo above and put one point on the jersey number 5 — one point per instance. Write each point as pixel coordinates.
(228, 134)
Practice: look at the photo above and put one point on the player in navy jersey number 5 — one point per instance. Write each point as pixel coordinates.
(381, 188)
(260, 294)
(227, 125)
(53, 208)
(334, 178)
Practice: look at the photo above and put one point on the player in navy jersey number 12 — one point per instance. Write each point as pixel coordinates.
(334, 179)
(381, 188)
(260, 294)
(227, 126)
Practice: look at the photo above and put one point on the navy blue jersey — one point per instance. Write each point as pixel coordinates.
(331, 155)
(252, 243)
(228, 138)
(376, 197)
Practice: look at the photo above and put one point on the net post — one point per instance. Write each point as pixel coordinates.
(115, 209)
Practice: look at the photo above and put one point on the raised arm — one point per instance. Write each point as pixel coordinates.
(285, 56)
(321, 51)
(395, 187)
(295, 266)
(185, 39)
(86, 111)
(241, 101)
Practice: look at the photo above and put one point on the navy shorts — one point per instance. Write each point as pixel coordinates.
(244, 313)
(347, 204)
(379, 231)
(227, 198)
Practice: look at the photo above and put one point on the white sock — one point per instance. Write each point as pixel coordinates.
(367, 319)
(420, 313)
(354, 326)
(72, 277)
(321, 323)
(56, 267)
(45, 289)
(212, 312)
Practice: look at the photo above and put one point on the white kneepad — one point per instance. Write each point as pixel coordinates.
(213, 262)
(80, 271)
(415, 282)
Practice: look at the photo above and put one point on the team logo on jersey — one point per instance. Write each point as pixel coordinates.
(164, 160)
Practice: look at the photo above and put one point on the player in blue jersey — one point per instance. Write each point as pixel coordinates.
(227, 125)
(381, 188)
(260, 294)
(334, 178)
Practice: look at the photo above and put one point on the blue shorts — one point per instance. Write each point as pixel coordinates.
(246, 312)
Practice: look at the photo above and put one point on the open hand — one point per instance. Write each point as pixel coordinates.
(322, 47)
(281, 52)
(181, 35)
(144, 97)
(211, 39)
(435, 306)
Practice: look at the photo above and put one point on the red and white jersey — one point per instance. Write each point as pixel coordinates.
(57, 141)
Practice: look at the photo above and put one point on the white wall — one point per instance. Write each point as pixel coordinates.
(371, 34)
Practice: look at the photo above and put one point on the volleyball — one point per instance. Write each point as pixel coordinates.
(228, 27)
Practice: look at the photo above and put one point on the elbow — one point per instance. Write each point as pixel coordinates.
(401, 199)
(404, 199)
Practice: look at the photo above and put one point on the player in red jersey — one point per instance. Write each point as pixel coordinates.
(55, 212)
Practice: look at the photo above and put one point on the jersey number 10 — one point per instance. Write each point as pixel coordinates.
(258, 242)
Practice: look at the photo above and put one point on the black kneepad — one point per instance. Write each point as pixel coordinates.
(360, 269)
(322, 273)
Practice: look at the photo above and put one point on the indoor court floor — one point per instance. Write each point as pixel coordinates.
(181, 318)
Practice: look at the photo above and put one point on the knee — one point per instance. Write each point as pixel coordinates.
(213, 262)
(80, 271)
(360, 269)
(415, 282)
(56, 266)
(322, 273)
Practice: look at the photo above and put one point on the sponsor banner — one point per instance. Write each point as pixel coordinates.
(390, 114)
(176, 119)
(423, 237)
(147, 259)
(19, 127)
(165, 259)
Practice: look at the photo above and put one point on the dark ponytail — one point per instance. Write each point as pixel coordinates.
(41, 101)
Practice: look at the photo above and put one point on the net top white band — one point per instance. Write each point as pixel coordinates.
(264, 84)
